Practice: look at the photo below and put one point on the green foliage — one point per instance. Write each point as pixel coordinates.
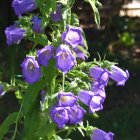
(39, 40)
(93, 4)
(11, 119)
(127, 39)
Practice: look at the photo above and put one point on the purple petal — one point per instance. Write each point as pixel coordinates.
(14, 34)
(58, 15)
(99, 134)
(66, 99)
(96, 72)
(85, 96)
(104, 77)
(2, 92)
(79, 54)
(119, 75)
(37, 24)
(98, 89)
(59, 115)
(73, 36)
(100, 75)
(65, 61)
(96, 104)
(76, 114)
(44, 55)
(30, 70)
(23, 6)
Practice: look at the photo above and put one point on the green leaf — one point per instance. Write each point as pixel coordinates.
(81, 131)
(95, 115)
(50, 6)
(7, 123)
(96, 12)
(31, 94)
(32, 123)
(47, 129)
(39, 40)
(70, 86)
(83, 50)
(18, 94)
(50, 73)
(74, 20)
(56, 138)
(89, 130)
(66, 13)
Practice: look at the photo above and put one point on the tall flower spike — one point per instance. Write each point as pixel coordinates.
(59, 115)
(66, 99)
(14, 34)
(30, 70)
(119, 75)
(65, 61)
(2, 92)
(58, 15)
(44, 55)
(72, 36)
(99, 134)
(23, 6)
(37, 24)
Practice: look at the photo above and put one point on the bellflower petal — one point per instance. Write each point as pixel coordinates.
(98, 90)
(2, 92)
(104, 77)
(99, 134)
(100, 75)
(119, 75)
(44, 55)
(92, 99)
(14, 34)
(58, 15)
(65, 61)
(96, 72)
(30, 70)
(73, 36)
(96, 104)
(79, 54)
(66, 99)
(76, 114)
(37, 24)
(85, 96)
(23, 6)
(59, 115)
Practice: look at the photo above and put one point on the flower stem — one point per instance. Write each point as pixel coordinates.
(15, 131)
(63, 81)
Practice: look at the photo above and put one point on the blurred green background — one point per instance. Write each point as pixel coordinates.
(118, 39)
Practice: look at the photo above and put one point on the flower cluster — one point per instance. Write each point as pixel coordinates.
(64, 57)
(95, 98)
(66, 111)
